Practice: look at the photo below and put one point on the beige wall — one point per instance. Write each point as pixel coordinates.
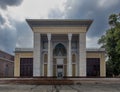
(100, 55)
(17, 61)
(60, 30)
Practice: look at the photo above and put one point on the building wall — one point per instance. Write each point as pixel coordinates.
(6, 64)
(100, 55)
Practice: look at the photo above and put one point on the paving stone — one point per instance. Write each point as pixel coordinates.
(61, 88)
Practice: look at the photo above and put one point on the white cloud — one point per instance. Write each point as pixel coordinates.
(6, 19)
(35, 8)
(92, 42)
(107, 3)
(20, 34)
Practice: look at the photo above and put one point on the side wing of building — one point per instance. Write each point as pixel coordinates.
(95, 67)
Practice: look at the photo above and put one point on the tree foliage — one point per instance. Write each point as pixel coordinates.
(111, 42)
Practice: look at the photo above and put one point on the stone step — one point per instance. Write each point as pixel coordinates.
(55, 81)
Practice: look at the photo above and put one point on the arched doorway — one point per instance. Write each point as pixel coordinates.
(59, 64)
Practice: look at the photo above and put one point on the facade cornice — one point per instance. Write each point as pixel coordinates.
(87, 50)
(59, 23)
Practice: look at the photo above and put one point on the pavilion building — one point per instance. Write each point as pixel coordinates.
(59, 51)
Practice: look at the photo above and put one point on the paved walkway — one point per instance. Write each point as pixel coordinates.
(79, 85)
(61, 88)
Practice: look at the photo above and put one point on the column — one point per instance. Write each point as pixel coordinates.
(82, 54)
(69, 69)
(51, 58)
(49, 55)
(37, 55)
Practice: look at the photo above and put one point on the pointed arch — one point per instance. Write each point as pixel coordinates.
(59, 50)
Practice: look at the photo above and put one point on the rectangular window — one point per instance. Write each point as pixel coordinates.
(45, 44)
(74, 44)
(45, 69)
(73, 70)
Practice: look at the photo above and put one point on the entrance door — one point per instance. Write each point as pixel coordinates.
(93, 67)
(60, 67)
(59, 71)
(26, 67)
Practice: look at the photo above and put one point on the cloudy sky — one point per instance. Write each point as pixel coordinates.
(14, 31)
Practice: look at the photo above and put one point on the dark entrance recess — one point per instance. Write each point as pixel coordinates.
(93, 67)
(59, 71)
(26, 67)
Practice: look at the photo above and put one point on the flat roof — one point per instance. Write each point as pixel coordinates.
(87, 49)
(23, 50)
(95, 49)
(59, 22)
(3, 52)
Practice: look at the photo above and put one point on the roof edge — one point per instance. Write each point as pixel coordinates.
(87, 50)
(57, 22)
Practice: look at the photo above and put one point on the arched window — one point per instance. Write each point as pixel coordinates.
(59, 50)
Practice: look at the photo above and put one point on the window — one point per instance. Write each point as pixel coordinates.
(6, 70)
(45, 58)
(73, 58)
(73, 64)
(59, 50)
(73, 69)
(45, 64)
(45, 44)
(74, 45)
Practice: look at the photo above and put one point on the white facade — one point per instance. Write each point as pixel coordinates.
(75, 46)
(60, 41)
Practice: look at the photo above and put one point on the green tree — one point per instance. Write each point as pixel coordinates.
(111, 42)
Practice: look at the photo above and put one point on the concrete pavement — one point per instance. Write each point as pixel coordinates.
(79, 85)
(61, 88)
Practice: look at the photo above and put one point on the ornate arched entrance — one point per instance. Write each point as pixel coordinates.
(59, 60)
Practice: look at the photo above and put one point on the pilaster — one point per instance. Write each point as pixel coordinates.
(37, 55)
(82, 54)
(102, 65)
